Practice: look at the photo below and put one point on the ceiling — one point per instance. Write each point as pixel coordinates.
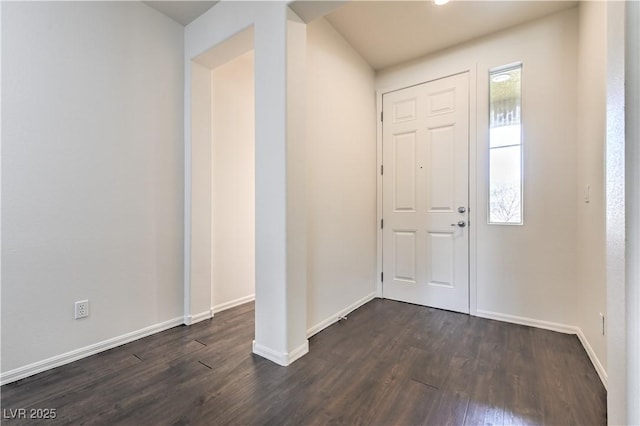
(387, 33)
(390, 32)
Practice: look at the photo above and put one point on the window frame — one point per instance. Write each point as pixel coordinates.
(491, 72)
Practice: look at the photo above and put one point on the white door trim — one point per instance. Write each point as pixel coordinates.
(473, 204)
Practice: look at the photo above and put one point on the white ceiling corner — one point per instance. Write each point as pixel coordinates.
(308, 10)
(182, 11)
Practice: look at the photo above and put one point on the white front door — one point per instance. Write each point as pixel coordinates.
(426, 194)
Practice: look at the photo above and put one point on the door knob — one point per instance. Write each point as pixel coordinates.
(462, 209)
(461, 224)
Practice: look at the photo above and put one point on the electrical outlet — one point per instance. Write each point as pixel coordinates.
(602, 322)
(81, 309)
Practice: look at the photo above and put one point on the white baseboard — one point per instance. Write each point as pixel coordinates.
(299, 352)
(553, 326)
(285, 359)
(547, 325)
(343, 313)
(281, 358)
(192, 319)
(593, 357)
(233, 303)
(66, 358)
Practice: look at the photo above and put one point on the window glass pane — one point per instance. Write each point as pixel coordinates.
(505, 151)
(505, 186)
(504, 136)
(505, 97)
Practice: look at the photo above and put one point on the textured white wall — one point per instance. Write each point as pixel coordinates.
(617, 403)
(341, 176)
(92, 174)
(523, 271)
(591, 280)
(233, 177)
(632, 74)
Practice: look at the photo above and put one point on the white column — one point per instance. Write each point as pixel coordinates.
(280, 328)
(298, 344)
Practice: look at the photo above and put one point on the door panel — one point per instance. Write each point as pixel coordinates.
(404, 110)
(440, 258)
(441, 102)
(440, 167)
(404, 253)
(425, 154)
(404, 182)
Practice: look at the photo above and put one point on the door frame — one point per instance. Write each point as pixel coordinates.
(404, 83)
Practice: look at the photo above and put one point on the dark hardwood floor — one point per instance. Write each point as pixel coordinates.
(388, 363)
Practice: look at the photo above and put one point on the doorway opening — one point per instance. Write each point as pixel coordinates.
(233, 183)
(223, 130)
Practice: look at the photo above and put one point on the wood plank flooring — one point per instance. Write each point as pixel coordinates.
(389, 363)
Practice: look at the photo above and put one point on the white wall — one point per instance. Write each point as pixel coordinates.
(341, 176)
(524, 273)
(623, 212)
(198, 304)
(617, 326)
(632, 184)
(591, 288)
(92, 175)
(233, 191)
(622, 190)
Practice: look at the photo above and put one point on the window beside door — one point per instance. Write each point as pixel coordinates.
(505, 145)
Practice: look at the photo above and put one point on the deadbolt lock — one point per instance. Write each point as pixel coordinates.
(462, 209)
